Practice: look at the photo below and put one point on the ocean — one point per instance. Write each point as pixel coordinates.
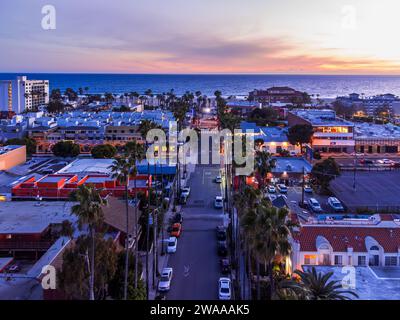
(326, 86)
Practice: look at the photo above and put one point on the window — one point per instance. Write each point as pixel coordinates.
(391, 261)
(310, 259)
(374, 248)
(362, 260)
(338, 260)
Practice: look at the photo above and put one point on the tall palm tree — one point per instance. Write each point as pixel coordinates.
(121, 170)
(135, 151)
(90, 213)
(315, 285)
(273, 230)
(263, 165)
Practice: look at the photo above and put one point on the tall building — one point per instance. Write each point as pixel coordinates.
(23, 94)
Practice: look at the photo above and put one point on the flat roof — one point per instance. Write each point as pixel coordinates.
(291, 165)
(87, 166)
(323, 117)
(5, 149)
(31, 216)
(370, 130)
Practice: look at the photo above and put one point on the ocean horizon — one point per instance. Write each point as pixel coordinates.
(326, 86)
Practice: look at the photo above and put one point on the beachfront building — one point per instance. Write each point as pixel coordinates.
(242, 107)
(285, 95)
(331, 134)
(339, 240)
(370, 104)
(22, 94)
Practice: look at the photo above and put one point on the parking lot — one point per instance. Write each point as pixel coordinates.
(373, 189)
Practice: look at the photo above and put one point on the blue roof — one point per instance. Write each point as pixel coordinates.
(268, 134)
(158, 168)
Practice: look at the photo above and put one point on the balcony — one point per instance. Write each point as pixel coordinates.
(25, 245)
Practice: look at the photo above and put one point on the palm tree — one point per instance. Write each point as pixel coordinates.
(146, 125)
(135, 151)
(314, 285)
(263, 165)
(90, 213)
(121, 170)
(273, 229)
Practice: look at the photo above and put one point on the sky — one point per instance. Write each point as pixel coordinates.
(201, 36)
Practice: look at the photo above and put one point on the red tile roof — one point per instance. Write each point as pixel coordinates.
(340, 238)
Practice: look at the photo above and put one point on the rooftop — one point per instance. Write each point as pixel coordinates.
(31, 216)
(291, 165)
(84, 166)
(5, 149)
(369, 130)
(321, 117)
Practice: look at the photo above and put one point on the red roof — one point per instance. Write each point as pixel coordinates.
(340, 238)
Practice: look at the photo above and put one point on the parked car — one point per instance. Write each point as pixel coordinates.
(224, 289)
(282, 188)
(308, 189)
(222, 248)
(218, 179)
(271, 189)
(185, 191)
(165, 280)
(219, 202)
(176, 230)
(335, 204)
(172, 243)
(183, 198)
(314, 205)
(221, 233)
(225, 266)
(366, 161)
(178, 218)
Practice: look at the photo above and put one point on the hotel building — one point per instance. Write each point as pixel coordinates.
(22, 94)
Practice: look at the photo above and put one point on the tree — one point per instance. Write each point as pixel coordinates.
(75, 272)
(71, 94)
(263, 164)
(343, 110)
(134, 292)
(121, 170)
(26, 141)
(55, 95)
(90, 213)
(324, 172)
(55, 106)
(315, 285)
(104, 151)
(109, 97)
(147, 125)
(300, 134)
(66, 149)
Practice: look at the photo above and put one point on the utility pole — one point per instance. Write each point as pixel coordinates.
(148, 229)
(355, 170)
(302, 187)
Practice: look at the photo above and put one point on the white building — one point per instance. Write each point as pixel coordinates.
(22, 94)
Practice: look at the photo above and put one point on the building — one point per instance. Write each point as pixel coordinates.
(373, 138)
(29, 229)
(11, 156)
(331, 134)
(22, 94)
(61, 186)
(370, 104)
(120, 135)
(277, 94)
(337, 240)
(270, 139)
(242, 107)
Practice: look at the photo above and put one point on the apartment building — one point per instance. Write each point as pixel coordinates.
(119, 135)
(331, 134)
(22, 94)
(277, 94)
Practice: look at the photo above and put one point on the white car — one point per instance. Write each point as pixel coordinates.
(218, 179)
(314, 205)
(282, 188)
(224, 289)
(165, 280)
(219, 202)
(308, 189)
(172, 243)
(385, 161)
(335, 204)
(185, 191)
(271, 189)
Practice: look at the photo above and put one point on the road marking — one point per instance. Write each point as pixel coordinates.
(186, 271)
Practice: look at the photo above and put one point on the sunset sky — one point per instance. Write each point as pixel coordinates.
(202, 36)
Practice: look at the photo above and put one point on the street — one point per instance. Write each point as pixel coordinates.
(196, 263)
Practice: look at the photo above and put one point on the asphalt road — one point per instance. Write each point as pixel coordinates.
(196, 263)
